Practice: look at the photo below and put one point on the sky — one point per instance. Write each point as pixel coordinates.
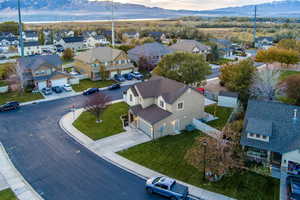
(193, 4)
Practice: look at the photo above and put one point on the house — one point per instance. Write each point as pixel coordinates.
(87, 34)
(158, 36)
(131, 35)
(161, 106)
(30, 36)
(152, 52)
(264, 42)
(8, 41)
(228, 99)
(41, 71)
(225, 46)
(95, 41)
(7, 34)
(31, 48)
(74, 43)
(272, 134)
(114, 62)
(191, 46)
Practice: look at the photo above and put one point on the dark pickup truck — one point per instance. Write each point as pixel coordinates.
(167, 187)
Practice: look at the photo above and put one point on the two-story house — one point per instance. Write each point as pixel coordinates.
(74, 43)
(191, 46)
(30, 36)
(131, 35)
(264, 42)
(113, 61)
(161, 106)
(152, 52)
(158, 36)
(41, 71)
(96, 41)
(272, 134)
(31, 48)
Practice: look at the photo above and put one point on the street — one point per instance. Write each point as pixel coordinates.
(55, 165)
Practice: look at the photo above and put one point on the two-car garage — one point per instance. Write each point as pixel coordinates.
(145, 127)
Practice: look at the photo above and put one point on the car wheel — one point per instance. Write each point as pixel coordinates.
(149, 190)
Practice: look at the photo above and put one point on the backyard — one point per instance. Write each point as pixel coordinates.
(111, 123)
(86, 84)
(7, 195)
(167, 156)
(20, 97)
(222, 113)
(285, 74)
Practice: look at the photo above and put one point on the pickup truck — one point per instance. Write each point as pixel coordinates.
(167, 187)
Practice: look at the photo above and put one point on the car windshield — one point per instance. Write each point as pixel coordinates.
(156, 180)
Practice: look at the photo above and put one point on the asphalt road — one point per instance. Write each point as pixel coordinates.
(55, 165)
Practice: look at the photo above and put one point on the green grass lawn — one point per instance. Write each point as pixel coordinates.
(285, 74)
(111, 124)
(20, 97)
(222, 61)
(222, 113)
(7, 195)
(85, 84)
(166, 155)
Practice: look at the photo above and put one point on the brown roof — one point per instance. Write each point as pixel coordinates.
(151, 114)
(157, 86)
(189, 45)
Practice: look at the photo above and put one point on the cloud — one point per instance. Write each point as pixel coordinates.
(193, 4)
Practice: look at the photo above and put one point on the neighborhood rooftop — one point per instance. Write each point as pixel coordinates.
(103, 54)
(189, 45)
(34, 62)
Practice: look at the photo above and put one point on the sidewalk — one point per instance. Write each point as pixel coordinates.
(107, 147)
(14, 179)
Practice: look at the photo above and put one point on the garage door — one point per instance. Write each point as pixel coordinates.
(126, 71)
(146, 128)
(59, 82)
(42, 84)
(112, 74)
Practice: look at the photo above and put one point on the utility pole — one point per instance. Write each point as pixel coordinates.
(254, 28)
(21, 44)
(112, 24)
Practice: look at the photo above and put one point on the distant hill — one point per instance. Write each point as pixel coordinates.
(70, 10)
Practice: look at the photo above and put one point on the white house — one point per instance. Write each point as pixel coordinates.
(98, 40)
(30, 36)
(31, 48)
(131, 35)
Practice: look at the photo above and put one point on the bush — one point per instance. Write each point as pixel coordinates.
(3, 83)
(293, 88)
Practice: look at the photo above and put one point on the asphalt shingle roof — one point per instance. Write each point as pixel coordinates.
(262, 127)
(285, 136)
(35, 62)
(73, 39)
(228, 94)
(31, 44)
(189, 46)
(103, 54)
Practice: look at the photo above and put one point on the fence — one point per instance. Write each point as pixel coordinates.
(206, 128)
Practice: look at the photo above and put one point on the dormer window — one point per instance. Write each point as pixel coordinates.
(180, 106)
(162, 103)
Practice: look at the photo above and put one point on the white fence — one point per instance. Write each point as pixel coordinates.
(206, 128)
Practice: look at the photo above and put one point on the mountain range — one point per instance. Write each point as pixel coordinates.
(71, 10)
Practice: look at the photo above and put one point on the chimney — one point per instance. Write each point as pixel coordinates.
(295, 114)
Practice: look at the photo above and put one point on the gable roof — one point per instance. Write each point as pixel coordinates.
(149, 50)
(285, 134)
(156, 34)
(157, 86)
(189, 46)
(34, 62)
(103, 54)
(270, 39)
(31, 44)
(30, 33)
(73, 39)
(228, 94)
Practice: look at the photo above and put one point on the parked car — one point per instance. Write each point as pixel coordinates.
(47, 91)
(90, 91)
(114, 87)
(9, 106)
(128, 77)
(57, 89)
(119, 78)
(167, 187)
(293, 188)
(67, 87)
(137, 75)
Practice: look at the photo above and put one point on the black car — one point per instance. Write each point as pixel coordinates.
(9, 106)
(293, 184)
(128, 77)
(57, 89)
(114, 87)
(90, 91)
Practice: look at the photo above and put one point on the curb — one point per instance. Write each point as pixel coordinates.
(30, 188)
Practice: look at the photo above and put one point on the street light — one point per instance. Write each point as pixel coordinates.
(204, 160)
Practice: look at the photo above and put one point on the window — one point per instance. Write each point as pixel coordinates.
(264, 137)
(251, 135)
(257, 135)
(180, 106)
(130, 97)
(161, 104)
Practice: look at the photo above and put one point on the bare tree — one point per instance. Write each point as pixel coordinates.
(96, 104)
(265, 83)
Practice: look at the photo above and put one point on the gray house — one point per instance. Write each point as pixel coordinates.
(74, 43)
(191, 46)
(161, 106)
(152, 52)
(272, 134)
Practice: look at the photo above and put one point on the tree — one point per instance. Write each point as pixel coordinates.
(10, 26)
(223, 152)
(188, 68)
(41, 38)
(68, 54)
(265, 83)
(96, 104)
(237, 77)
(289, 44)
(144, 65)
(293, 87)
(214, 54)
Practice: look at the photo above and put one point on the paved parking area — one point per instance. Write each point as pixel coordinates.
(60, 95)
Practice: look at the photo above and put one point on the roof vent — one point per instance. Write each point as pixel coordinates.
(295, 114)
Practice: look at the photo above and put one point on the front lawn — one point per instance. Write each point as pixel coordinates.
(111, 123)
(166, 155)
(222, 113)
(86, 84)
(7, 195)
(20, 97)
(286, 73)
